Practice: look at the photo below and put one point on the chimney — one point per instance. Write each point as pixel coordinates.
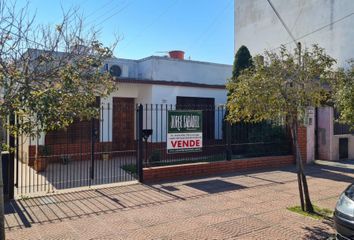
(176, 54)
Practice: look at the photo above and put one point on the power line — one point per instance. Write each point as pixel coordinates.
(207, 29)
(321, 28)
(297, 18)
(325, 26)
(107, 12)
(151, 23)
(114, 14)
(97, 10)
(282, 22)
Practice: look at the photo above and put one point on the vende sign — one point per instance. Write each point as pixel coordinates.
(184, 131)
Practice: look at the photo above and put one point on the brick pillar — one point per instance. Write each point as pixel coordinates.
(302, 139)
(31, 154)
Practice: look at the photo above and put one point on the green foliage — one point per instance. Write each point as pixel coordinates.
(242, 61)
(55, 102)
(282, 85)
(319, 214)
(24, 197)
(130, 168)
(278, 88)
(155, 156)
(343, 94)
(49, 75)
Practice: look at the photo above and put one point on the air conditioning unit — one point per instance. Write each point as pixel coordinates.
(117, 70)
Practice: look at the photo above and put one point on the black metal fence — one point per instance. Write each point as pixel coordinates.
(340, 128)
(84, 154)
(113, 148)
(221, 141)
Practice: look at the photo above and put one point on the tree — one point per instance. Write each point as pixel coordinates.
(50, 75)
(243, 60)
(343, 94)
(281, 86)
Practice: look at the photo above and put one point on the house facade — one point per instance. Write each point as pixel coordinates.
(165, 80)
(327, 23)
(159, 84)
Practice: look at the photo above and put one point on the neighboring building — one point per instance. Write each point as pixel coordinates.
(327, 23)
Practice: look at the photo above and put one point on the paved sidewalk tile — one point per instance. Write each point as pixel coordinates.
(231, 206)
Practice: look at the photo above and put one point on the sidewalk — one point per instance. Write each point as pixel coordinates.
(250, 205)
(349, 164)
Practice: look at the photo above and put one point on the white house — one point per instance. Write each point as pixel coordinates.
(165, 80)
(159, 80)
(158, 83)
(327, 23)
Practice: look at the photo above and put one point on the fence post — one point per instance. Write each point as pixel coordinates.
(93, 136)
(140, 155)
(11, 165)
(228, 141)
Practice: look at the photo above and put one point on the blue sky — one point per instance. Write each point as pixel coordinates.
(202, 28)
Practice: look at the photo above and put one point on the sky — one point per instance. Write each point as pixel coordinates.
(202, 28)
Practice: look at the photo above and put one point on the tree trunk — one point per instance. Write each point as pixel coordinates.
(2, 214)
(298, 169)
(308, 204)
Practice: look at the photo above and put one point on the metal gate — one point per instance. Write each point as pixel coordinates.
(221, 140)
(92, 152)
(125, 138)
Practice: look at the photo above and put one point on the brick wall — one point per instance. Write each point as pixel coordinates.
(210, 168)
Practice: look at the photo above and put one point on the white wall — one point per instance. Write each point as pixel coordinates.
(164, 69)
(325, 132)
(310, 133)
(167, 69)
(335, 140)
(142, 93)
(157, 96)
(328, 142)
(126, 64)
(167, 94)
(258, 28)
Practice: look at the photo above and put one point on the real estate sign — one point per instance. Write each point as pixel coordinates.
(184, 131)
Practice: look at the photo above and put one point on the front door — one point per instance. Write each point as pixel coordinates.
(123, 123)
(343, 148)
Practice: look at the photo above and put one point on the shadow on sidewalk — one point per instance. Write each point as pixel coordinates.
(24, 213)
(334, 173)
(320, 232)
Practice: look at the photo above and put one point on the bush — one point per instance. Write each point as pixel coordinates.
(155, 156)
